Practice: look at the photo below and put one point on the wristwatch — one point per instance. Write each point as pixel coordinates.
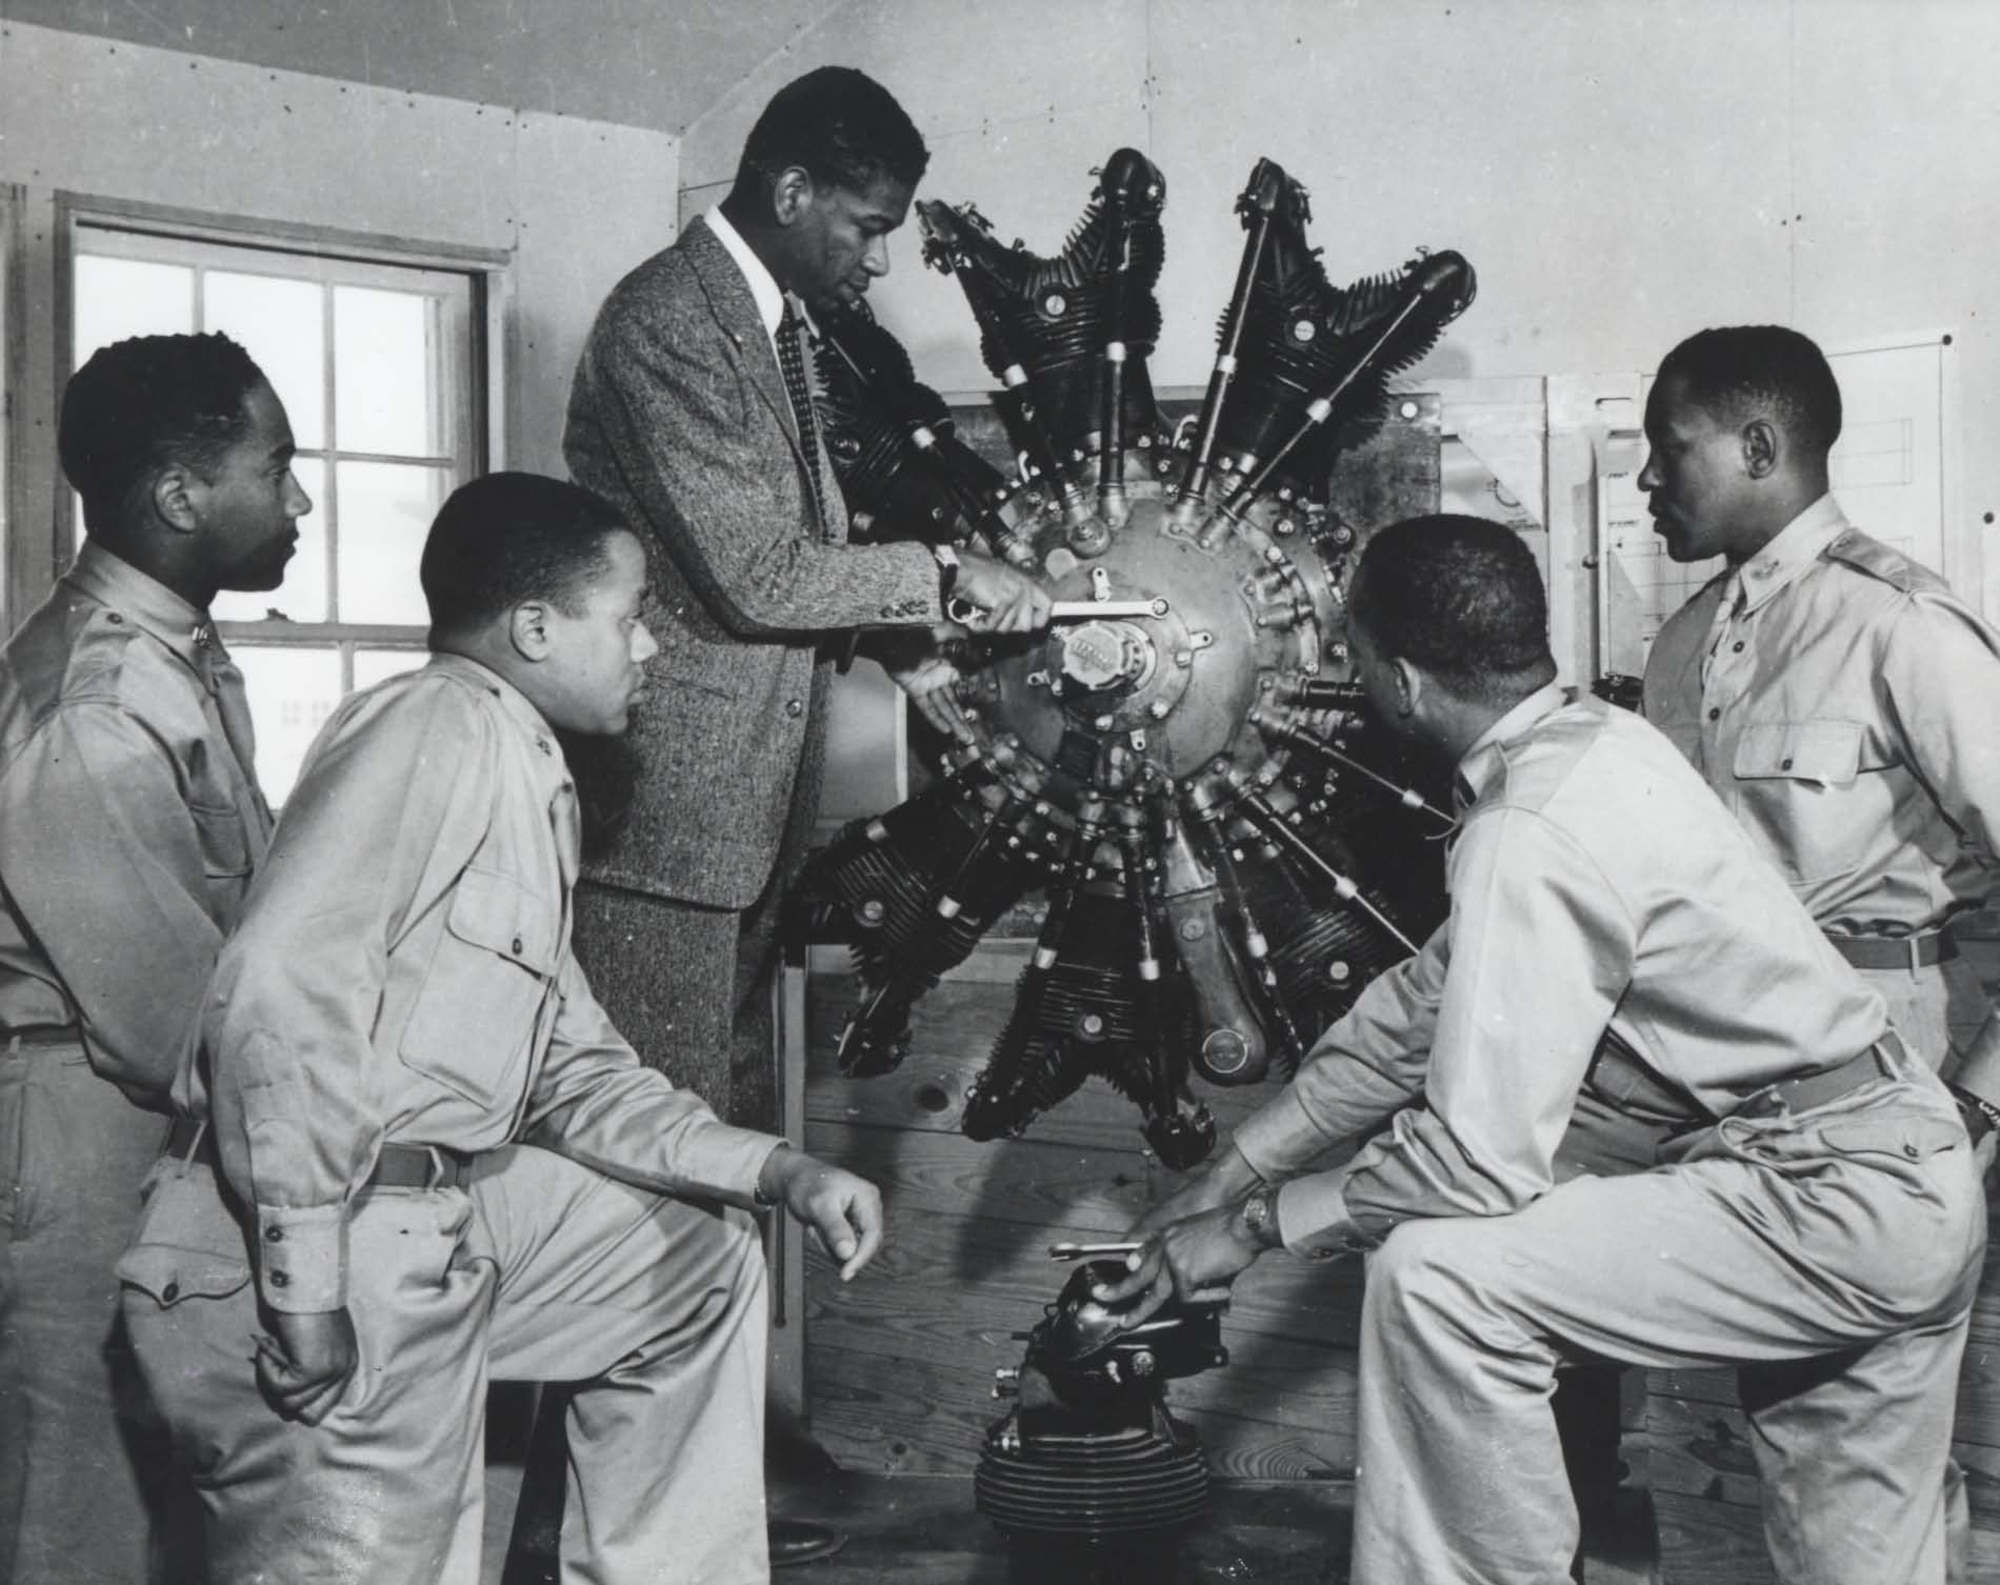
(1260, 1218)
(1980, 1116)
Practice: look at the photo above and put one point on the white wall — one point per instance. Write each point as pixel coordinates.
(576, 203)
(1620, 172)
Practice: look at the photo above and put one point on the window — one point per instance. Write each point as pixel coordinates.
(378, 367)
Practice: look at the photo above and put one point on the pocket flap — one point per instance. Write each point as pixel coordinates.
(1911, 1138)
(170, 1274)
(1815, 751)
(497, 912)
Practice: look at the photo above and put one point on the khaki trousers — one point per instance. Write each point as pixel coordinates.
(540, 1270)
(1838, 1251)
(82, 1459)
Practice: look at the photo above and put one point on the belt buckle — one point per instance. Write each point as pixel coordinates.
(1766, 1103)
(448, 1169)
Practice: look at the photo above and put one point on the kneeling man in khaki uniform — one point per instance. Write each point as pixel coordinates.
(1822, 1218)
(422, 1158)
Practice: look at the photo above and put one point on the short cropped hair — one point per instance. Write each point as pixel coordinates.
(844, 128)
(509, 538)
(1737, 370)
(140, 406)
(1460, 598)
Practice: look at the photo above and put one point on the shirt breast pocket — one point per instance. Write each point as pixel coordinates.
(225, 845)
(476, 1017)
(1796, 781)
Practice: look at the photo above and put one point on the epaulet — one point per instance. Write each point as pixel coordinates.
(1855, 549)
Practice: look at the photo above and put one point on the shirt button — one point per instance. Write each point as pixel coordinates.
(542, 743)
(1715, 715)
(794, 707)
(517, 946)
(1910, 1150)
(114, 619)
(1786, 766)
(281, 1279)
(1737, 646)
(274, 1235)
(171, 1292)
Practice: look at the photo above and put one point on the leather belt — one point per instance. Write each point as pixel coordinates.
(1896, 952)
(43, 1035)
(397, 1167)
(1879, 1061)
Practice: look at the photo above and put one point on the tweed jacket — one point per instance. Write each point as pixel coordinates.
(678, 416)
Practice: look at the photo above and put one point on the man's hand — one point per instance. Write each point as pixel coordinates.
(1194, 1261)
(928, 683)
(306, 1366)
(1011, 602)
(1224, 1181)
(844, 1210)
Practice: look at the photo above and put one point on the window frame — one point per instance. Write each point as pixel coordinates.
(481, 416)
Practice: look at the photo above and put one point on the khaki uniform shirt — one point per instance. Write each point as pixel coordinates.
(129, 827)
(1595, 884)
(403, 974)
(1847, 712)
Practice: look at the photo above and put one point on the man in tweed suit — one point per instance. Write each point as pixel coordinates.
(680, 415)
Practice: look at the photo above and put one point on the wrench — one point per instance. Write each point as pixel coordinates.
(964, 612)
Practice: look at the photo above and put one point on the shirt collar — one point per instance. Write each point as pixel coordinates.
(1790, 551)
(113, 581)
(1483, 760)
(517, 705)
(764, 288)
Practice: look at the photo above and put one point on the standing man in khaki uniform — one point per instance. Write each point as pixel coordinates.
(423, 1158)
(1826, 1222)
(1838, 698)
(130, 825)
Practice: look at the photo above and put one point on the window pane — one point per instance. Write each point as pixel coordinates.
(372, 665)
(388, 397)
(302, 596)
(385, 510)
(292, 691)
(116, 298)
(281, 325)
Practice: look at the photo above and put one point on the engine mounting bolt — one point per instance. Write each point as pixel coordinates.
(872, 911)
(1159, 709)
(1273, 555)
(1183, 658)
(1142, 1362)
(1104, 723)
(1193, 930)
(1285, 528)
(1090, 1025)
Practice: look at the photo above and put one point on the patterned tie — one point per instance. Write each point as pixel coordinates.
(792, 362)
(231, 702)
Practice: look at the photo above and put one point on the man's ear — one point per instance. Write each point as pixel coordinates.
(1762, 446)
(791, 194)
(1409, 687)
(528, 630)
(177, 495)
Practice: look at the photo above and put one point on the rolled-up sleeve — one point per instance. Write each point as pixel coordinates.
(112, 887)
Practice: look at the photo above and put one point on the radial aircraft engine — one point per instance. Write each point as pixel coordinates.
(1179, 764)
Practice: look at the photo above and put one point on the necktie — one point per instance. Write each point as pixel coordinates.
(1726, 611)
(792, 364)
(224, 681)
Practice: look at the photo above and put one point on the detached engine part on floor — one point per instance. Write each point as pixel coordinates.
(1089, 1467)
(1226, 859)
